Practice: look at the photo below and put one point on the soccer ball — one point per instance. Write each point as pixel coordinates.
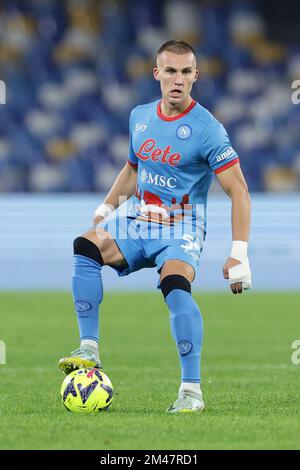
(87, 390)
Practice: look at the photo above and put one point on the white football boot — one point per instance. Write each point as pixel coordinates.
(187, 402)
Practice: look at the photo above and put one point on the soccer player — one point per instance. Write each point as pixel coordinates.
(176, 146)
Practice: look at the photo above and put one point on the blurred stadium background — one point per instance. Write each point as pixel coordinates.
(74, 69)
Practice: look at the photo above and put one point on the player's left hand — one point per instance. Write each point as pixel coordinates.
(239, 275)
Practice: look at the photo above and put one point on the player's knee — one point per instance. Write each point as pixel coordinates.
(175, 281)
(84, 247)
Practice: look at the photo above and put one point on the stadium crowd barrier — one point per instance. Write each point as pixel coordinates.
(37, 231)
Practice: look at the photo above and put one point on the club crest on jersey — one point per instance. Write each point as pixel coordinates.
(184, 132)
(148, 150)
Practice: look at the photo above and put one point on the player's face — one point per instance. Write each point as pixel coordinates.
(176, 74)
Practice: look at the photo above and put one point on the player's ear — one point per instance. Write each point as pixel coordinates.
(196, 75)
(155, 73)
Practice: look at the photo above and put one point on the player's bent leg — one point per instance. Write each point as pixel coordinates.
(108, 248)
(176, 266)
(186, 327)
(91, 252)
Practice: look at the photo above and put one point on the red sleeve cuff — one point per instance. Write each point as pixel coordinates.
(134, 165)
(228, 165)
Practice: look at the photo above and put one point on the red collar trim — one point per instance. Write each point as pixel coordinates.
(178, 116)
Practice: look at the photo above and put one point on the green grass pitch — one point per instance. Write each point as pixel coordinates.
(250, 386)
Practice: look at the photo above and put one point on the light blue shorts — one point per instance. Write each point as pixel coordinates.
(147, 244)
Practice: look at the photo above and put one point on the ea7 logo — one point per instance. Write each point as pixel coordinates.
(295, 358)
(140, 127)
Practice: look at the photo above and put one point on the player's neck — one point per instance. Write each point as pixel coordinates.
(168, 109)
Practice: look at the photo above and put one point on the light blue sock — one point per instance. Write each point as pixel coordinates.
(187, 331)
(87, 294)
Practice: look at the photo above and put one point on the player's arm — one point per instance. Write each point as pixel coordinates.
(236, 268)
(123, 188)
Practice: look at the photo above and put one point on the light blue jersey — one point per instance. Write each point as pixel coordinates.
(176, 156)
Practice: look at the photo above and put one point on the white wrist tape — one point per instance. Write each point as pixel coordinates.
(241, 272)
(103, 210)
(239, 250)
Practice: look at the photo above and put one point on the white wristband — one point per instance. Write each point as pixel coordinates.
(103, 210)
(239, 250)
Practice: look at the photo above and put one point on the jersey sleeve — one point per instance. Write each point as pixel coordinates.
(217, 149)
(132, 158)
